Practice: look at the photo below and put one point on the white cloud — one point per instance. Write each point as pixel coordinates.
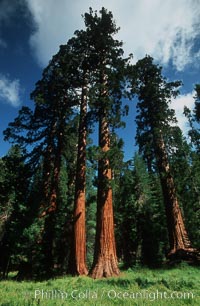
(178, 105)
(55, 21)
(164, 29)
(9, 91)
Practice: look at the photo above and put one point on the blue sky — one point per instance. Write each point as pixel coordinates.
(32, 30)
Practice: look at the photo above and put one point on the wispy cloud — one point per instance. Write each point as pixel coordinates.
(164, 29)
(178, 105)
(9, 91)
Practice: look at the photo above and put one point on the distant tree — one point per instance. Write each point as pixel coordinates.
(91, 199)
(14, 191)
(127, 217)
(140, 224)
(154, 125)
(151, 222)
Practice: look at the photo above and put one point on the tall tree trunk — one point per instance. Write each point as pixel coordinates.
(48, 239)
(51, 193)
(79, 239)
(105, 259)
(48, 166)
(178, 237)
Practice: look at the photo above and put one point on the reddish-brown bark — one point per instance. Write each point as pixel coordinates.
(178, 236)
(79, 243)
(105, 259)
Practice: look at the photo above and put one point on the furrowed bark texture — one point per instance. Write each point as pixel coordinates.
(178, 237)
(105, 259)
(79, 247)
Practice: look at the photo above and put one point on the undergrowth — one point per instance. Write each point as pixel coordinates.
(139, 286)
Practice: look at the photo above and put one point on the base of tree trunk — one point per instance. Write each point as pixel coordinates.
(105, 268)
(81, 271)
(189, 254)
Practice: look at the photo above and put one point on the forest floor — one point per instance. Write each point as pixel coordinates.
(139, 286)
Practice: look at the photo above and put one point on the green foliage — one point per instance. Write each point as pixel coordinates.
(109, 68)
(14, 193)
(91, 225)
(154, 115)
(197, 103)
(141, 233)
(185, 169)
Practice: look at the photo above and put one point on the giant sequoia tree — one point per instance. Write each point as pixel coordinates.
(154, 127)
(46, 130)
(82, 67)
(105, 104)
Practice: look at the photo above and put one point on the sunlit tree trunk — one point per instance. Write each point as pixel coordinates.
(79, 243)
(105, 262)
